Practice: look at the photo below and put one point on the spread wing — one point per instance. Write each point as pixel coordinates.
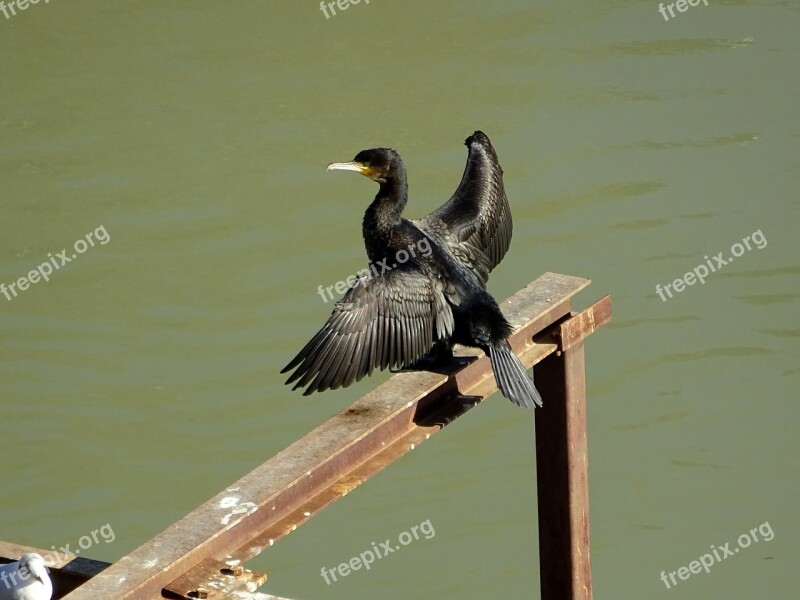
(386, 321)
(475, 223)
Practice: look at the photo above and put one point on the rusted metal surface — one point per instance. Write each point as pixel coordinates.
(281, 494)
(562, 464)
(214, 580)
(584, 323)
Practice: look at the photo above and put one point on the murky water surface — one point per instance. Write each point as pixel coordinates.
(190, 139)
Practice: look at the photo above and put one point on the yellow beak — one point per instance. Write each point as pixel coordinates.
(350, 166)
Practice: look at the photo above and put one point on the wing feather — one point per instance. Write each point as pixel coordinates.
(387, 321)
(475, 223)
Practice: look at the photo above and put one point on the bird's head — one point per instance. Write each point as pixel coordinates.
(379, 164)
(35, 565)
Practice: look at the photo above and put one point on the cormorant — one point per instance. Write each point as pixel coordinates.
(424, 304)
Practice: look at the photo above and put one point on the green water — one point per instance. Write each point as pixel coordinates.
(143, 377)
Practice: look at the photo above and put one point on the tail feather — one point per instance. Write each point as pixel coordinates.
(513, 379)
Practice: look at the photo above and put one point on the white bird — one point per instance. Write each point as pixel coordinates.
(26, 579)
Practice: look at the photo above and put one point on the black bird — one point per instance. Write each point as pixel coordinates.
(421, 303)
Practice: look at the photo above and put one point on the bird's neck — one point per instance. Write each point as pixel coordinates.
(383, 216)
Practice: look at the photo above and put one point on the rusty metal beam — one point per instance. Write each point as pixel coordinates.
(562, 465)
(278, 496)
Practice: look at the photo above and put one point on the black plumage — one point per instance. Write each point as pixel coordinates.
(404, 309)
